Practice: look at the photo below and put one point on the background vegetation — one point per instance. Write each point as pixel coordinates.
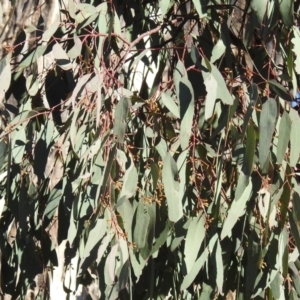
(148, 150)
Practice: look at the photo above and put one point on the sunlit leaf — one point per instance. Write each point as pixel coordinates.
(194, 238)
(283, 136)
(236, 210)
(186, 105)
(169, 177)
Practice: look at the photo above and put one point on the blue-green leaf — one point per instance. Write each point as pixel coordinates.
(186, 104)
(194, 238)
(267, 123)
(283, 136)
(295, 138)
(171, 186)
(236, 210)
(120, 120)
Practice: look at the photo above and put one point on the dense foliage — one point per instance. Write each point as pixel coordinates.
(153, 146)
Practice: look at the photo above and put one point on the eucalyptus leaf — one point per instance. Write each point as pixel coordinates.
(267, 126)
(169, 177)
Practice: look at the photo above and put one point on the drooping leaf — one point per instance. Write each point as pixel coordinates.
(296, 42)
(266, 126)
(188, 279)
(76, 49)
(200, 8)
(218, 51)
(141, 226)
(61, 57)
(32, 56)
(5, 76)
(259, 9)
(170, 181)
(280, 90)
(222, 90)
(48, 34)
(32, 85)
(53, 202)
(250, 150)
(130, 181)
(194, 238)
(164, 5)
(220, 268)
(211, 96)
(186, 105)
(295, 138)
(236, 210)
(120, 120)
(98, 231)
(286, 10)
(82, 81)
(3, 150)
(169, 102)
(283, 136)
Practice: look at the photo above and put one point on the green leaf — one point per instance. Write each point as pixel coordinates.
(130, 182)
(104, 245)
(200, 8)
(75, 51)
(61, 57)
(170, 104)
(295, 138)
(32, 85)
(164, 5)
(154, 174)
(53, 202)
(188, 279)
(90, 19)
(259, 8)
(85, 11)
(196, 57)
(57, 172)
(194, 238)
(236, 210)
(218, 50)
(286, 9)
(117, 24)
(250, 150)
(211, 96)
(220, 268)
(95, 236)
(285, 198)
(182, 166)
(5, 75)
(283, 251)
(81, 83)
(294, 229)
(171, 184)
(283, 136)
(253, 95)
(162, 237)
(48, 34)
(279, 90)
(267, 123)
(296, 42)
(141, 226)
(32, 57)
(222, 91)
(120, 123)
(186, 105)
(3, 151)
(207, 292)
